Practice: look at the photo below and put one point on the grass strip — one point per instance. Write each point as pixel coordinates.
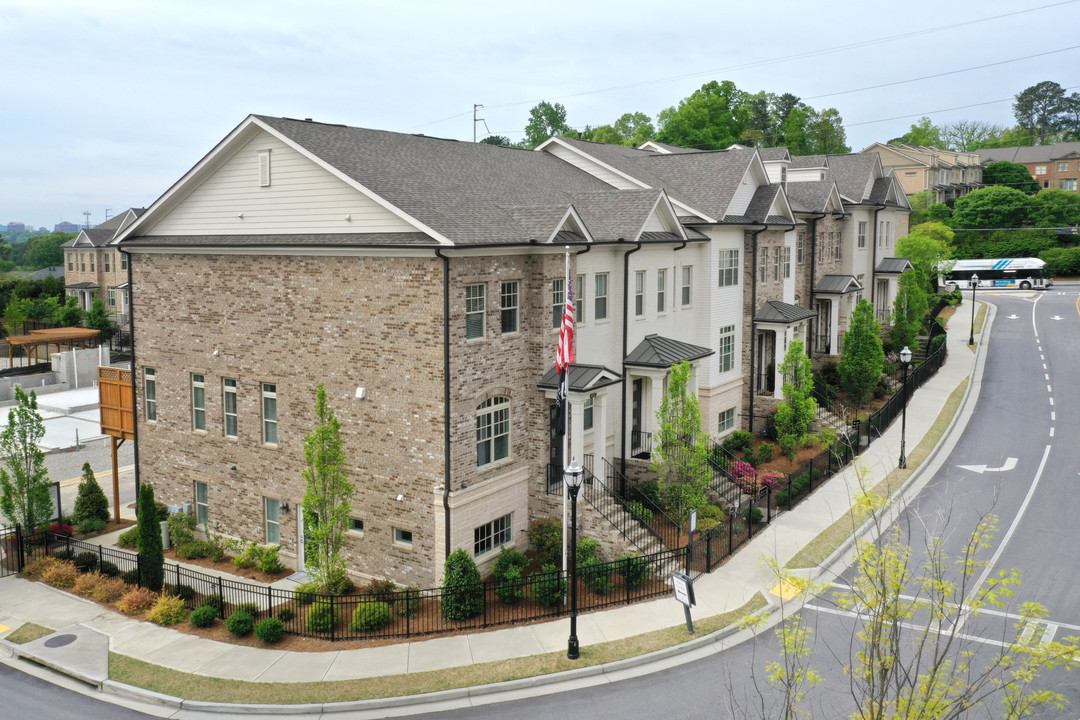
(822, 546)
(198, 687)
(28, 632)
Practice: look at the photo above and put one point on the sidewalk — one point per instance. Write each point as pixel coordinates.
(725, 589)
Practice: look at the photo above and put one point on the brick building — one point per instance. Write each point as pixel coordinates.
(95, 270)
(1052, 166)
(421, 281)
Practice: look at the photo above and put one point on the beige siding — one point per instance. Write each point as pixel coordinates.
(301, 198)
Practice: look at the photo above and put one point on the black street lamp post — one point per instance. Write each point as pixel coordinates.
(905, 360)
(974, 284)
(573, 475)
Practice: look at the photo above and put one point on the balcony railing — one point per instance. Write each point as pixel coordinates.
(640, 444)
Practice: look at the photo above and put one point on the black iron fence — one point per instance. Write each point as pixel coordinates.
(399, 613)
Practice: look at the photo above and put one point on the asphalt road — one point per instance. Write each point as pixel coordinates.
(1018, 459)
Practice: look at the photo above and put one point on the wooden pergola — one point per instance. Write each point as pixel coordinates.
(32, 343)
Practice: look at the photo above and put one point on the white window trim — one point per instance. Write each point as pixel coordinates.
(150, 404)
(471, 311)
(226, 391)
(265, 422)
(515, 294)
(491, 409)
(597, 296)
(198, 382)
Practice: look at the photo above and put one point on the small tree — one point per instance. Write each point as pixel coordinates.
(151, 553)
(326, 500)
(680, 453)
(16, 314)
(70, 314)
(24, 480)
(97, 318)
(796, 411)
(91, 503)
(463, 590)
(910, 306)
(863, 358)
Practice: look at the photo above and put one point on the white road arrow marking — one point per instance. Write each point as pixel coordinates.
(1010, 463)
(1056, 317)
(1013, 317)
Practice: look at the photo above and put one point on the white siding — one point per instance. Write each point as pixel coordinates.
(591, 166)
(301, 198)
(742, 197)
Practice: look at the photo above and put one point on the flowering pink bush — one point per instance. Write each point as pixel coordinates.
(62, 529)
(751, 481)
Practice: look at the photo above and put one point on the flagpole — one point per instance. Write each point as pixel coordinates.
(566, 429)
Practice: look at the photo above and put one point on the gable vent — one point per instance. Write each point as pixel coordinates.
(264, 168)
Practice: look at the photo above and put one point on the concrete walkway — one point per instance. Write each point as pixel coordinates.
(725, 589)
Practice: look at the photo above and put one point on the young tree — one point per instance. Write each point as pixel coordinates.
(929, 248)
(326, 500)
(151, 552)
(1056, 208)
(98, 318)
(862, 359)
(1012, 175)
(909, 308)
(16, 314)
(680, 452)
(924, 133)
(70, 314)
(796, 411)
(24, 480)
(91, 503)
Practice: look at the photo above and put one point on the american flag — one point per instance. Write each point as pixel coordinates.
(565, 354)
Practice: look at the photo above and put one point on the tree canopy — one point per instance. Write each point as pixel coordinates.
(996, 206)
(923, 133)
(1012, 175)
(926, 246)
(862, 358)
(24, 479)
(1041, 110)
(545, 120)
(45, 250)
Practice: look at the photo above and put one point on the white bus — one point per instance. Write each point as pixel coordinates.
(1002, 273)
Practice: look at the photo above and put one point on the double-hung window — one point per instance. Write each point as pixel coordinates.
(71, 261)
(787, 262)
(198, 401)
(108, 261)
(123, 261)
(776, 264)
(800, 245)
(588, 414)
(150, 393)
(837, 245)
(272, 512)
(600, 296)
(202, 503)
(492, 535)
(726, 420)
(579, 299)
(228, 404)
(639, 293)
(726, 350)
(763, 264)
(1068, 184)
(492, 430)
(510, 304)
(729, 267)
(475, 296)
(269, 414)
(1063, 167)
(687, 279)
(661, 290)
(862, 233)
(558, 301)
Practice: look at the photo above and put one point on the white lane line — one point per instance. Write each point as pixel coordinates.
(1049, 389)
(1051, 432)
(1045, 368)
(1053, 416)
(1051, 402)
(1047, 377)
(1051, 631)
(1012, 528)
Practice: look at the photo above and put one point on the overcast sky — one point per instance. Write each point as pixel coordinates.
(107, 103)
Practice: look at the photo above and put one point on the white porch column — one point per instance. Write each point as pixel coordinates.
(656, 397)
(599, 414)
(577, 430)
(834, 326)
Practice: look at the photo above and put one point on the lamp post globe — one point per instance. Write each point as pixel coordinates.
(905, 361)
(974, 284)
(573, 475)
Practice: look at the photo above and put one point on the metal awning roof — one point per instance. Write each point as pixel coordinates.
(838, 285)
(582, 378)
(775, 311)
(662, 352)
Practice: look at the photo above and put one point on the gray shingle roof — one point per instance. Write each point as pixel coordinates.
(837, 285)
(852, 173)
(810, 161)
(83, 286)
(893, 266)
(657, 351)
(101, 234)
(775, 311)
(774, 154)
(581, 378)
(1036, 153)
(810, 196)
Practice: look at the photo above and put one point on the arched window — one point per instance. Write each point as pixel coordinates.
(492, 430)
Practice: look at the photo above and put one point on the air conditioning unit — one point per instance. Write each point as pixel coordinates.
(174, 509)
(187, 508)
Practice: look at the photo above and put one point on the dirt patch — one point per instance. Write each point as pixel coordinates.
(112, 526)
(227, 566)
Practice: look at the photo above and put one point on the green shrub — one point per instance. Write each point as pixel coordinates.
(306, 593)
(250, 608)
(248, 557)
(195, 549)
(268, 560)
(129, 539)
(168, 610)
(240, 623)
(181, 528)
(754, 515)
(64, 554)
(409, 604)
(545, 536)
(738, 441)
(322, 618)
(549, 587)
(92, 525)
(765, 452)
(270, 630)
(463, 590)
(648, 493)
(710, 512)
(634, 570)
(86, 561)
(108, 568)
(203, 616)
(509, 588)
(131, 577)
(184, 592)
(285, 613)
(596, 574)
(213, 601)
(370, 616)
(91, 503)
(587, 549)
(508, 559)
(381, 589)
(640, 512)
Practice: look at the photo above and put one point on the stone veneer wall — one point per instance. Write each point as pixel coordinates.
(768, 289)
(347, 322)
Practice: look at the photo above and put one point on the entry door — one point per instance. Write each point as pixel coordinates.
(823, 326)
(766, 360)
(635, 413)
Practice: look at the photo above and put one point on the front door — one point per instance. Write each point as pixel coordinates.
(823, 327)
(635, 411)
(766, 362)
